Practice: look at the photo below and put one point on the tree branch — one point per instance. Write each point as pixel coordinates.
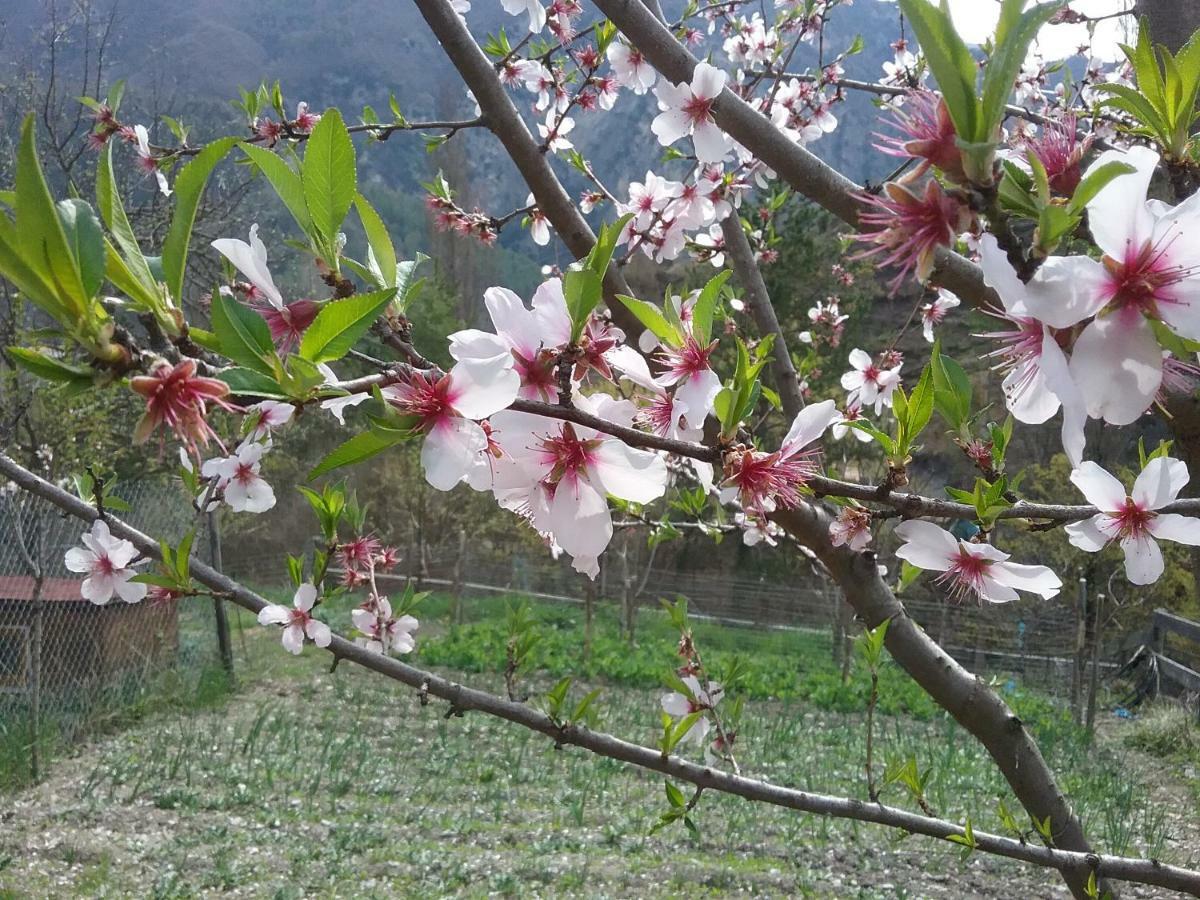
(465, 699)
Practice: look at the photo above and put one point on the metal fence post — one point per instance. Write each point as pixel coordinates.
(1094, 618)
(214, 555)
(1077, 659)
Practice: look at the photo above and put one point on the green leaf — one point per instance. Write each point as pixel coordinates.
(243, 334)
(48, 367)
(329, 176)
(340, 324)
(952, 389)
(1095, 181)
(251, 383)
(358, 448)
(582, 289)
(920, 404)
(1016, 32)
(651, 316)
(39, 230)
(189, 187)
(86, 240)
(675, 795)
(951, 63)
(706, 303)
(288, 185)
(112, 210)
(383, 252)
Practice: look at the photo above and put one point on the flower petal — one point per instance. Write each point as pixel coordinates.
(1099, 487)
(1117, 215)
(1143, 559)
(1159, 483)
(926, 545)
(810, 423)
(1117, 365)
(638, 476)
(1177, 528)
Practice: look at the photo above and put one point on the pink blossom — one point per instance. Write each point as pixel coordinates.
(147, 160)
(178, 398)
(852, 528)
(108, 562)
(687, 110)
(698, 699)
(531, 8)
(1133, 519)
(244, 489)
(296, 621)
(971, 571)
(382, 632)
(869, 384)
(933, 313)
(633, 71)
(445, 408)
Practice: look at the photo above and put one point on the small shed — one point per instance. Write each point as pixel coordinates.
(53, 640)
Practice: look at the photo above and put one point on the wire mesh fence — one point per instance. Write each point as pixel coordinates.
(68, 666)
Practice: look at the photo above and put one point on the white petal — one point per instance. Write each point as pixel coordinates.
(675, 704)
(318, 632)
(1035, 579)
(79, 560)
(471, 343)
(479, 389)
(99, 589)
(926, 545)
(130, 591)
(1001, 276)
(1117, 365)
(995, 591)
(1159, 483)
(1086, 535)
(1056, 374)
(550, 315)
(274, 614)
(1177, 528)
(293, 639)
(698, 394)
(638, 476)
(305, 597)
(1117, 216)
(1067, 290)
(251, 260)
(711, 143)
(670, 126)
(1099, 487)
(810, 423)
(579, 518)
(1143, 559)
(450, 451)
(512, 320)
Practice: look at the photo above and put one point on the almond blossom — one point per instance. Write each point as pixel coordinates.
(108, 562)
(532, 336)
(267, 416)
(933, 313)
(559, 474)
(763, 482)
(698, 700)
(969, 570)
(1133, 519)
(297, 620)
(382, 632)
(851, 528)
(147, 160)
(531, 8)
(687, 110)
(1150, 271)
(633, 70)
(445, 407)
(869, 384)
(237, 477)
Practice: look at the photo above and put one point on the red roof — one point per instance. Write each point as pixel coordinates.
(20, 587)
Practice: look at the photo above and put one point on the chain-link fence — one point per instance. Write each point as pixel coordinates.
(68, 666)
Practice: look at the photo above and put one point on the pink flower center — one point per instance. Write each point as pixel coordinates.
(965, 577)
(567, 453)
(1144, 278)
(698, 110)
(245, 473)
(103, 566)
(767, 477)
(1132, 521)
(428, 400)
(691, 358)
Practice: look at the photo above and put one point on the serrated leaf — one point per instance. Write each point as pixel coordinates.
(288, 185)
(86, 240)
(340, 324)
(51, 369)
(358, 448)
(251, 383)
(189, 188)
(651, 317)
(329, 176)
(706, 303)
(383, 252)
(243, 334)
(112, 210)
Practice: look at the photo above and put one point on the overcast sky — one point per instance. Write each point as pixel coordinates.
(976, 21)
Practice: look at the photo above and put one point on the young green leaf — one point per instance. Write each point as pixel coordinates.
(329, 176)
(189, 187)
(288, 185)
(340, 324)
(243, 334)
(360, 447)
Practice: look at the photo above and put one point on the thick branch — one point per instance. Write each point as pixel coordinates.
(799, 168)
(741, 257)
(464, 698)
(527, 154)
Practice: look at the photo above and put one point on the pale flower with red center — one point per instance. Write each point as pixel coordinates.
(445, 410)
(238, 478)
(869, 384)
(251, 260)
(764, 482)
(359, 553)
(971, 571)
(908, 229)
(631, 67)
(177, 398)
(687, 370)
(699, 699)
(852, 413)
(648, 199)
(932, 313)
(663, 412)
(851, 528)
(382, 632)
(559, 475)
(1060, 151)
(687, 110)
(108, 562)
(269, 415)
(297, 620)
(533, 337)
(1134, 519)
(1150, 271)
(305, 121)
(147, 161)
